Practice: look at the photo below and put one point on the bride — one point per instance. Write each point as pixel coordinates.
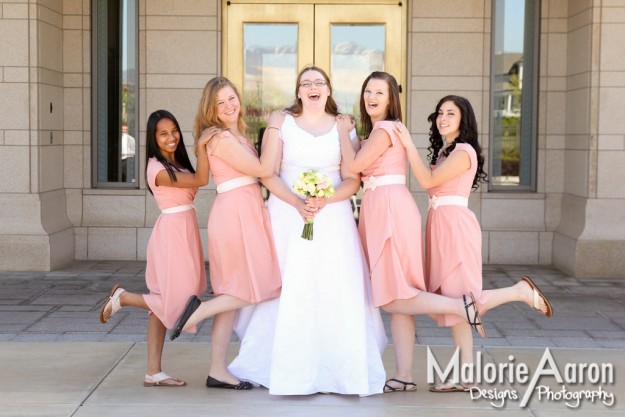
(322, 334)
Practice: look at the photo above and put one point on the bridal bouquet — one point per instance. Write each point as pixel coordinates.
(312, 183)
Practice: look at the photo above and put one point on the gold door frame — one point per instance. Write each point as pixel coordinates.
(315, 18)
(394, 41)
(234, 19)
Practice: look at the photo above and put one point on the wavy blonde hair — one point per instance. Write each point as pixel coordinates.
(206, 115)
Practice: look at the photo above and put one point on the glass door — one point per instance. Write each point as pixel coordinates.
(264, 47)
(351, 41)
(267, 43)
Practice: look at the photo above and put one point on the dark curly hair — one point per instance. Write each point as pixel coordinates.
(468, 134)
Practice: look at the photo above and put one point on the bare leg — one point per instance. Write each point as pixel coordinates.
(521, 292)
(463, 339)
(132, 299)
(220, 304)
(220, 340)
(427, 303)
(156, 341)
(403, 331)
(126, 298)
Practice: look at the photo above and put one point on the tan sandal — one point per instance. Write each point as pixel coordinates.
(452, 387)
(113, 302)
(158, 380)
(538, 294)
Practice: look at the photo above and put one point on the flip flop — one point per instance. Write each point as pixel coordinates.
(538, 294)
(158, 380)
(452, 388)
(408, 386)
(113, 301)
(477, 320)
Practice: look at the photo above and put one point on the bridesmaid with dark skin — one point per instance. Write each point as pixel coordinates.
(175, 263)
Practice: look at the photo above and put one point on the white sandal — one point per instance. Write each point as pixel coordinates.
(113, 301)
(156, 380)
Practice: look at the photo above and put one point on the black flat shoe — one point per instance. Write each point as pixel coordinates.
(215, 383)
(189, 309)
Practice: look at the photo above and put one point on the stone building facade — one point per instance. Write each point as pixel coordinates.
(572, 218)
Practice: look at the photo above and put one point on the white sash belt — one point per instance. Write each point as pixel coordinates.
(235, 183)
(448, 200)
(178, 209)
(373, 182)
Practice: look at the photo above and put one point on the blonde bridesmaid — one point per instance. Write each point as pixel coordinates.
(242, 258)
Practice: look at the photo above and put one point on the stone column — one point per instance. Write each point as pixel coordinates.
(590, 239)
(35, 233)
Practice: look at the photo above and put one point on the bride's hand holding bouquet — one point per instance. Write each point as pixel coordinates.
(316, 187)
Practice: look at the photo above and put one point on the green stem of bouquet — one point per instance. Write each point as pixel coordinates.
(307, 233)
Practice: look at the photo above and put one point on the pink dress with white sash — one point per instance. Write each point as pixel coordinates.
(175, 263)
(453, 248)
(390, 225)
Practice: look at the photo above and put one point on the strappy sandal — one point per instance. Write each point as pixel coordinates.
(476, 323)
(113, 302)
(407, 386)
(158, 380)
(537, 295)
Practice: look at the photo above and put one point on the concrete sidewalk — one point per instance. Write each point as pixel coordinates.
(56, 359)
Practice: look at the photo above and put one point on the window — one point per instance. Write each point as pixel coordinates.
(267, 42)
(514, 95)
(115, 93)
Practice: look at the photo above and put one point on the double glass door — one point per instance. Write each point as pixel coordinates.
(266, 44)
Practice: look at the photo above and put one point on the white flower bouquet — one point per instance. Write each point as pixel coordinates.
(312, 183)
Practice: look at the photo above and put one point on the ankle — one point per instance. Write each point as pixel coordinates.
(522, 291)
(406, 377)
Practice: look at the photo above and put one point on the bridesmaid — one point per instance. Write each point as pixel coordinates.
(175, 264)
(390, 226)
(453, 234)
(242, 258)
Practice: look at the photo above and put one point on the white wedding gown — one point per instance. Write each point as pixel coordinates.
(322, 334)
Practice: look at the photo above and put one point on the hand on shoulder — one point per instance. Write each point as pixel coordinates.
(403, 133)
(345, 123)
(208, 134)
(276, 118)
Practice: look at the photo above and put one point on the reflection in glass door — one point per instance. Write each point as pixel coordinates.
(264, 47)
(514, 68)
(353, 41)
(266, 44)
(356, 51)
(270, 69)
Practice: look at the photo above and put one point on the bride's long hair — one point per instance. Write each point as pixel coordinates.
(296, 108)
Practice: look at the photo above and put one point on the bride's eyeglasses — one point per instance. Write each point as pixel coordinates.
(316, 83)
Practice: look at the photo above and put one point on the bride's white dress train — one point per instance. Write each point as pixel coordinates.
(322, 334)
